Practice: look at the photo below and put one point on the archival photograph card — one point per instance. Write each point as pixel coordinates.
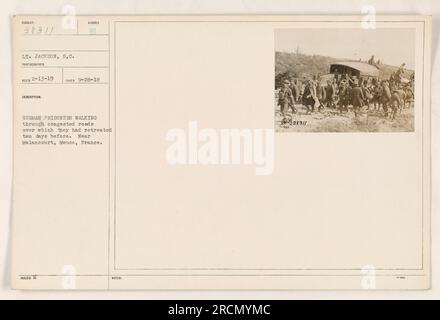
(221, 152)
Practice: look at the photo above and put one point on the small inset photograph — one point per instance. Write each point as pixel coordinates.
(344, 80)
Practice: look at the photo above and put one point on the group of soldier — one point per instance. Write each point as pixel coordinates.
(345, 92)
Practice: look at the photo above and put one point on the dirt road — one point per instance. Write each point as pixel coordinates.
(330, 120)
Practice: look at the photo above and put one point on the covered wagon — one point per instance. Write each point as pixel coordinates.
(360, 70)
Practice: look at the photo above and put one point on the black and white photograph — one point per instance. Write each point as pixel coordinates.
(219, 156)
(344, 80)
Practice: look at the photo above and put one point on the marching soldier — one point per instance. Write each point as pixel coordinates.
(285, 98)
(368, 96)
(320, 95)
(357, 97)
(398, 75)
(409, 96)
(344, 96)
(309, 95)
(386, 97)
(330, 95)
(397, 98)
(377, 94)
(295, 89)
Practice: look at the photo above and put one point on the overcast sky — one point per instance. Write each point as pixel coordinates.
(391, 46)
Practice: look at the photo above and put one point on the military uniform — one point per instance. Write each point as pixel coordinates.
(295, 91)
(396, 101)
(320, 94)
(329, 94)
(344, 96)
(308, 99)
(377, 94)
(357, 99)
(285, 98)
(385, 98)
